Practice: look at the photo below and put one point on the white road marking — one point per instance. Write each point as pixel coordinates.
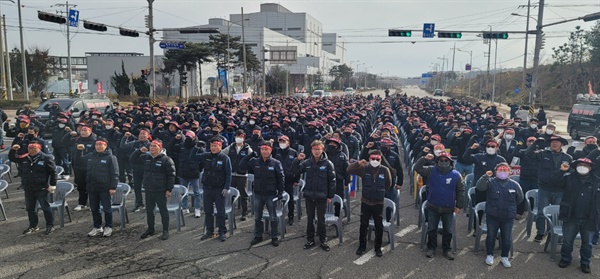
(220, 259)
(369, 255)
(406, 230)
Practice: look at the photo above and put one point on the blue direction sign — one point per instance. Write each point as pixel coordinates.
(517, 90)
(170, 45)
(428, 30)
(73, 18)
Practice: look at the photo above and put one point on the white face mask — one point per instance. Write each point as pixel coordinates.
(239, 140)
(61, 126)
(434, 142)
(549, 131)
(533, 126)
(108, 127)
(251, 122)
(490, 150)
(461, 129)
(437, 152)
(509, 136)
(582, 170)
(500, 131)
(293, 119)
(167, 121)
(283, 145)
(375, 163)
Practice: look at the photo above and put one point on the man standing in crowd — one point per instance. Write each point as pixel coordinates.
(216, 181)
(549, 163)
(158, 181)
(286, 155)
(239, 178)
(268, 184)
(578, 210)
(444, 199)
(319, 189)
(376, 180)
(101, 180)
(188, 170)
(38, 179)
(83, 145)
(128, 145)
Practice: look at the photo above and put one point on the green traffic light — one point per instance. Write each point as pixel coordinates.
(408, 34)
(458, 35)
(504, 35)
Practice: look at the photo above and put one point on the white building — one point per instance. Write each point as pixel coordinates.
(278, 31)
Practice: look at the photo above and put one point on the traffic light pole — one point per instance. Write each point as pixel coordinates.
(8, 75)
(536, 54)
(2, 67)
(25, 85)
(151, 42)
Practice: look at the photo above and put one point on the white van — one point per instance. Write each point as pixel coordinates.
(349, 91)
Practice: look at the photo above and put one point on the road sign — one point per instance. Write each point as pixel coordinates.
(428, 30)
(468, 67)
(171, 45)
(517, 90)
(73, 18)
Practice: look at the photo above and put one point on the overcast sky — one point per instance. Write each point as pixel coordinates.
(362, 24)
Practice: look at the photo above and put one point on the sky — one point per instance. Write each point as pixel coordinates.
(363, 25)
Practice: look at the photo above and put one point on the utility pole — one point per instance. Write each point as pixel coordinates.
(69, 66)
(8, 74)
(23, 56)
(453, 55)
(526, 47)
(495, 59)
(536, 54)
(2, 67)
(487, 76)
(244, 84)
(151, 41)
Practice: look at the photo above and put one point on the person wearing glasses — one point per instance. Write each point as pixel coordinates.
(376, 180)
(445, 196)
(503, 196)
(318, 190)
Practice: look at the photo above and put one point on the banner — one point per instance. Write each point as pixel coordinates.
(80, 86)
(99, 87)
(242, 96)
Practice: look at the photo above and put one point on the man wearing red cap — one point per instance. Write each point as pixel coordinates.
(39, 179)
(528, 176)
(83, 144)
(129, 144)
(239, 178)
(445, 197)
(158, 181)
(340, 162)
(286, 155)
(187, 169)
(101, 180)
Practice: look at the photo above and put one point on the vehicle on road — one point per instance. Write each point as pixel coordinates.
(438, 92)
(327, 94)
(349, 91)
(318, 93)
(74, 105)
(584, 119)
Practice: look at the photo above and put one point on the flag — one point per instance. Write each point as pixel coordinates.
(590, 91)
(353, 182)
(99, 85)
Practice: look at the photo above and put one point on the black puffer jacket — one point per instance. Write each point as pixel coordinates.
(159, 171)
(320, 177)
(102, 171)
(77, 155)
(37, 172)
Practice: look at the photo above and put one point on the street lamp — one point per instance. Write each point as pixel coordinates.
(357, 76)
(355, 72)
(470, 52)
(3, 68)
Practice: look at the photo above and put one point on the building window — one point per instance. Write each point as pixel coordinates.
(277, 29)
(294, 29)
(63, 61)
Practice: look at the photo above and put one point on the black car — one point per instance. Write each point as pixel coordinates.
(74, 105)
(438, 92)
(584, 120)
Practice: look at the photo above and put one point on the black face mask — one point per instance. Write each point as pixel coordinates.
(285, 125)
(194, 129)
(254, 137)
(189, 143)
(591, 146)
(347, 134)
(330, 149)
(385, 149)
(230, 130)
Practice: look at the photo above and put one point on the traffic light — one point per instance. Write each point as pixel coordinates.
(399, 33)
(453, 35)
(94, 26)
(52, 18)
(528, 80)
(184, 78)
(489, 35)
(128, 33)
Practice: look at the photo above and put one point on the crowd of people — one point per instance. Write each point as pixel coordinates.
(324, 142)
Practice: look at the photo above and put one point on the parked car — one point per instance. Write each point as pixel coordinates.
(74, 105)
(318, 93)
(349, 91)
(327, 94)
(438, 92)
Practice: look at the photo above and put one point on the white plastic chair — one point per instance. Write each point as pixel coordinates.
(3, 186)
(250, 192)
(387, 226)
(347, 203)
(174, 204)
(468, 182)
(532, 210)
(471, 207)
(298, 194)
(230, 200)
(118, 202)
(59, 170)
(331, 219)
(63, 189)
(280, 210)
(424, 224)
(5, 170)
(555, 230)
(419, 202)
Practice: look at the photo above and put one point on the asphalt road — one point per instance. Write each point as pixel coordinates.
(70, 253)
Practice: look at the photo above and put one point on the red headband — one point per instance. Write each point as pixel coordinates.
(219, 143)
(35, 145)
(86, 128)
(102, 142)
(157, 143)
(375, 157)
(266, 146)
